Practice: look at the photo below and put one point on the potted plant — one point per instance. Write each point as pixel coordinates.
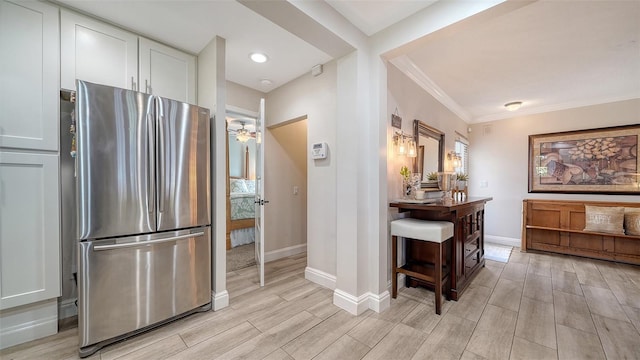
(462, 180)
(432, 177)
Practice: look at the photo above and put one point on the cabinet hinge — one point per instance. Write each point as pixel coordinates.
(68, 95)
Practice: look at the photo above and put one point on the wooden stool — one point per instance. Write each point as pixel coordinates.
(436, 272)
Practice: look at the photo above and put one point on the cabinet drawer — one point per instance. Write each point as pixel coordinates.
(471, 246)
(471, 261)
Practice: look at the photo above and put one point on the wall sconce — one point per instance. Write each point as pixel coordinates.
(404, 144)
(412, 151)
(455, 159)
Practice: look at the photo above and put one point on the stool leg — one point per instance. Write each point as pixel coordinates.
(394, 266)
(447, 262)
(438, 280)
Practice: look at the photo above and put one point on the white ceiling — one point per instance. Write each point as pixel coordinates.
(191, 24)
(549, 54)
(373, 16)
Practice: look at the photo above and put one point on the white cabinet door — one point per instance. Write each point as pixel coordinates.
(96, 52)
(167, 72)
(29, 73)
(29, 228)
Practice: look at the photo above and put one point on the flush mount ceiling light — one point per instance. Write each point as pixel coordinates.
(513, 106)
(258, 57)
(266, 82)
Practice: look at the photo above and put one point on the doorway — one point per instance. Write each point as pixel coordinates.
(286, 163)
(286, 189)
(241, 177)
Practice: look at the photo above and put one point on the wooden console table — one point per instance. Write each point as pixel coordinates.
(467, 248)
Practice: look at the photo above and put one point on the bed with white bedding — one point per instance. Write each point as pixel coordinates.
(241, 210)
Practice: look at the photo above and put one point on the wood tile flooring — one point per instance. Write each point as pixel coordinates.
(537, 306)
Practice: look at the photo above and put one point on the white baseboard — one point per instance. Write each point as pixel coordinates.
(501, 240)
(284, 252)
(219, 300)
(379, 303)
(27, 323)
(67, 308)
(350, 303)
(320, 277)
(360, 304)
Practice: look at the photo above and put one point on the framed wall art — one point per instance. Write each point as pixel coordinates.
(592, 161)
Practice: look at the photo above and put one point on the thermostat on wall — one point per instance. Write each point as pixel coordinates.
(319, 151)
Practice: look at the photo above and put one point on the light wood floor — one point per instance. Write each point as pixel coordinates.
(535, 307)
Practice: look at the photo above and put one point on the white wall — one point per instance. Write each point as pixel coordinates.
(211, 92)
(412, 102)
(314, 97)
(499, 157)
(242, 97)
(237, 157)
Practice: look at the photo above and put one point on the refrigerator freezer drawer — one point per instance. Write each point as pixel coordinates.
(126, 284)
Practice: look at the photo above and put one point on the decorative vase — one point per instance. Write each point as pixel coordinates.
(461, 189)
(446, 182)
(406, 188)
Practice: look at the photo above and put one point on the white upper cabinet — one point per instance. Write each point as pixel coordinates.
(96, 52)
(104, 54)
(29, 228)
(167, 72)
(29, 85)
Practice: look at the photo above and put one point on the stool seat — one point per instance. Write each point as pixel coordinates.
(434, 231)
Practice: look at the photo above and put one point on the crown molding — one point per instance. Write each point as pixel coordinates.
(413, 72)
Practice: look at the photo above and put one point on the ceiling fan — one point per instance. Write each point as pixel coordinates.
(242, 134)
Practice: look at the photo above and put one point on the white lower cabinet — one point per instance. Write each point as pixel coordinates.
(29, 228)
(29, 246)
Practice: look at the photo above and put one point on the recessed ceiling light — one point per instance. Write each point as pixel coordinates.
(266, 82)
(258, 57)
(513, 106)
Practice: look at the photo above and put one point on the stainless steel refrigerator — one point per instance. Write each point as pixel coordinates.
(143, 212)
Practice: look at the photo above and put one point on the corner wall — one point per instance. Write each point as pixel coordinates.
(211, 92)
(499, 157)
(314, 97)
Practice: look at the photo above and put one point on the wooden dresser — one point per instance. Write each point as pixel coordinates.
(467, 248)
(558, 226)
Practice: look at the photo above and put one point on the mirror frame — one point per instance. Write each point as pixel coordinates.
(420, 128)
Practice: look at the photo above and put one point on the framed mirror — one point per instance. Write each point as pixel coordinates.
(430, 147)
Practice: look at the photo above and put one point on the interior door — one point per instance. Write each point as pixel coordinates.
(259, 202)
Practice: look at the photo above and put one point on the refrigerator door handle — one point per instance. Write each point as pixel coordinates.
(162, 165)
(145, 243)
(151, 191)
